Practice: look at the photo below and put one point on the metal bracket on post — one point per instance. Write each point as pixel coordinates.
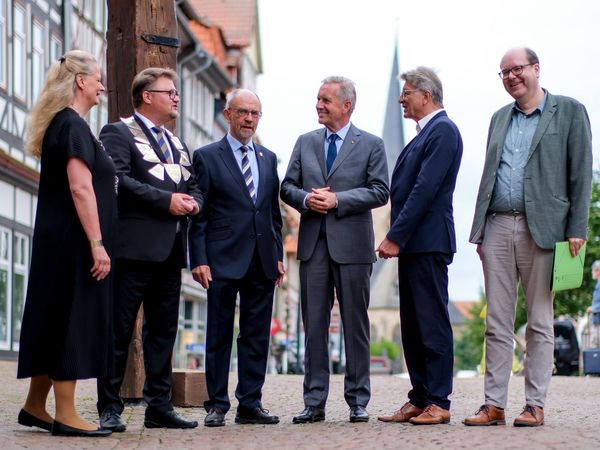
(160, 40)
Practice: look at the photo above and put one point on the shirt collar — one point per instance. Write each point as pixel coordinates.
(539, 108)
(342, 132)
(235, 144)
(146, 121)
(425, 120)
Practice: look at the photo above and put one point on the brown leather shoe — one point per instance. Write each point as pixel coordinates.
(404, 414)
(431, 415)
(486, 415)
(532, 416)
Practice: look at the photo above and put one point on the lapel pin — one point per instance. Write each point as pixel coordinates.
(260, 154)
(353, 141)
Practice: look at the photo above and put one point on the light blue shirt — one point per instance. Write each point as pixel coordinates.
(237, 153)
(596, 298)
(342, 132)
(508, 191)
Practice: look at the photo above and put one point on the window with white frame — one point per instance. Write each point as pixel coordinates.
(38, 58)
(3, 39)
(55, 48)
(19, 285)
(99, 17)
(5, 286)
(19, 52)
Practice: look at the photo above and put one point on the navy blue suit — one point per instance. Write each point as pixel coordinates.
(241, 243)
(422, 225)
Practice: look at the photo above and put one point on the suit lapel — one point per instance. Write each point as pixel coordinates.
(260, 161)
(232, 166)
(499, 134)
(417, 139)
(352, 138)
(149, 137)
(546, 117)
(319, 146)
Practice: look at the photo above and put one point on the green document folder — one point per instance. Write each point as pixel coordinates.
(567, 272)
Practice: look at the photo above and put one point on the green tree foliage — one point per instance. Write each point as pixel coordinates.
(469, 345)
(383, 347)
(575, 301)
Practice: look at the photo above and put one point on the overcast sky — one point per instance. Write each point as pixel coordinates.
(464, 40)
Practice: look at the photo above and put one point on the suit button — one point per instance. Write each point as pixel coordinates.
(257, 213)
(252, 236)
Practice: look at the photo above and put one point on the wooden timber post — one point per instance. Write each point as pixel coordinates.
(141, 34)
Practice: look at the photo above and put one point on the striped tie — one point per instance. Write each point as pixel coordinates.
(247, 172)
(164, 148)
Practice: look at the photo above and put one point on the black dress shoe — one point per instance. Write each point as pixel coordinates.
(358, 414)
(111, 420)
(60, 429)
(214, 418)
(29, 420)
(310, 414)
(169, 419)
(256, 415)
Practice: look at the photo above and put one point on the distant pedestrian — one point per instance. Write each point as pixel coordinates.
(535, 191)
(594, 309)
(66, 333)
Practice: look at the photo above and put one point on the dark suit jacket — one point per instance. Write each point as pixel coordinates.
(422, 186)
(146, 228)
(230, 226)
(359, 177)
(557, 182)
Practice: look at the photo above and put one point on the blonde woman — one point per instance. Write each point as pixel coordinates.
(66, 333)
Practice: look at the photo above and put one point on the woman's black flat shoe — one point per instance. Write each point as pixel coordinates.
(60, 429)
(30, 420)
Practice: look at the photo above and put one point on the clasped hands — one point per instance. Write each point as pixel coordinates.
(321, 200)
(183, 204)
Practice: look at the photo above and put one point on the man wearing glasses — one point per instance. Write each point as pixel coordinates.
(236, 248)
(535, 191)
(422, 237)
(157, 194)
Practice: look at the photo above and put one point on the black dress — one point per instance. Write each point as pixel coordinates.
(67, 323)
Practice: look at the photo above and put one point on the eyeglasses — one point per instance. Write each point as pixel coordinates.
(406, 92)
(173, 93)
(240, 112)
(516, 70)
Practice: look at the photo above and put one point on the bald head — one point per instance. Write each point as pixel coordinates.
(520, 72)
(242, 111)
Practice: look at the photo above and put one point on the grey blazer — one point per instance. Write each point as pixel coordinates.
(359, 177)
(558, 174)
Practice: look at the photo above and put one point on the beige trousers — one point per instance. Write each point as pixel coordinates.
(510, 255)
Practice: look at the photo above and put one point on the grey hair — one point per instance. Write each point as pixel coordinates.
(425, 79)
(347, 91)
(596, 265)
(233, 94)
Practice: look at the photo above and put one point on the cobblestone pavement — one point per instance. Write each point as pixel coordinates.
(572, 420)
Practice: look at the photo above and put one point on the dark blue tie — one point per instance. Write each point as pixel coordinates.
(162, 143)
(331, 151)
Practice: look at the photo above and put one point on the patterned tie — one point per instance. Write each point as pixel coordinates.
(418, 127)
(247, 172)
(164, 148)
(331, 151)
